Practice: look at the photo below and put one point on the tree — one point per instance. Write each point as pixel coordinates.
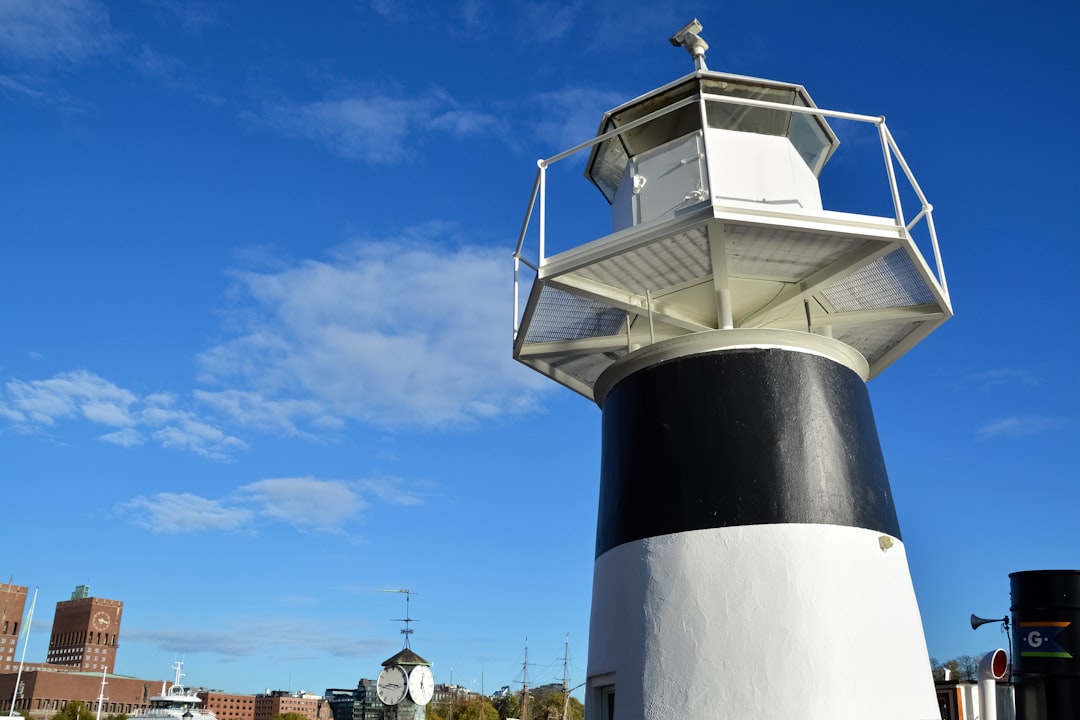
(290, 716)
(74, 710)
(545, 706)
(964, 668)
(470, 708)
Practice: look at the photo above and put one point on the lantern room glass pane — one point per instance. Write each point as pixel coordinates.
(810, 140)
(744, 118)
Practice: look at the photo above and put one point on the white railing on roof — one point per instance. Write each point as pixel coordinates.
(890, 152)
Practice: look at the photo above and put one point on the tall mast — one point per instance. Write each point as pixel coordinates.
(525, 684)
(22, 658)
(565, 677)
(101, 693)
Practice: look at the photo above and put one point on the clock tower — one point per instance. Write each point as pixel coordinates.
(85, 632)
(405, 685)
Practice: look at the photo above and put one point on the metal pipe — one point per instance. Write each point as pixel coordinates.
(621, 129)
(528, 214)
(903, 164)
(648, 305)
(804, 109)
(543, 209)
(517, 266)
(992, 668)
(884, 135)
(937, 253)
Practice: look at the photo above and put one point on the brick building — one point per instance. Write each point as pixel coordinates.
(82, 648)
(228, 706)
(280, 702)
(12, 606)
(85, 632)
(46, 690)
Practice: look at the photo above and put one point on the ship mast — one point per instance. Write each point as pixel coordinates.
(525, 684)
(101, 693)
(22, 658)
(566, 677)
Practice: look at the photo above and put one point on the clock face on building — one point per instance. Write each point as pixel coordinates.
(101, 621)
(392, 685)
(421, 685)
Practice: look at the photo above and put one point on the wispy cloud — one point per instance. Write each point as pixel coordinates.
(40, 405)
(305, 503)
(549, 21)
(65, 32)
(1019, 426)
(294, 638)
(998, 377)
(175, 513)
(377, 128)
(386, 333)
(571, 115)
(194, 16)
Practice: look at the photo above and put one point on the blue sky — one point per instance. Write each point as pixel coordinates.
(255, 278)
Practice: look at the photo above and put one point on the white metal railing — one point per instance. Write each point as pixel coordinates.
(890, 152)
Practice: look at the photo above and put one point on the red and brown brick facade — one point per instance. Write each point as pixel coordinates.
(12, 607)
(45, 691)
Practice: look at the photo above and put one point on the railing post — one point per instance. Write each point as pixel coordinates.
(883, 134)
(543, 209)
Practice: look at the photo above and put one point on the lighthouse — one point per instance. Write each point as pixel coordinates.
(749, 561)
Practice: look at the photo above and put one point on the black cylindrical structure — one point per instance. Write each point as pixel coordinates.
(746, 437)
(1046, 646)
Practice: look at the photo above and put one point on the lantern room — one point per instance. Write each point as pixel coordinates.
(718, 222)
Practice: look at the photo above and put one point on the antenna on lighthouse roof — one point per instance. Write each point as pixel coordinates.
(690, 39)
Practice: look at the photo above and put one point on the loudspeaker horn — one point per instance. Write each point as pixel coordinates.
(977, 621)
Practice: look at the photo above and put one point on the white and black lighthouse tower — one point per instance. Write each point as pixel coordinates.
(749, 560)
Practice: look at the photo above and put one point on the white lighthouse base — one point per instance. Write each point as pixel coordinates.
(778, 622)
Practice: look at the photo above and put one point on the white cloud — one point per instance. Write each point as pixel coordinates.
(385, 333)
(549, 21)
(997, 377)
(173, 513)
(67, 395)
(55, 31)
(305, 503)
(80, 395)
(291, 638)
(1018, 426)
(463, 123)
(192, 15)
(572, 115)
(375, 128)
(127, 437)
(390, 490)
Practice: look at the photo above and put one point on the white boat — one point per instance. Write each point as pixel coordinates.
(177, 702)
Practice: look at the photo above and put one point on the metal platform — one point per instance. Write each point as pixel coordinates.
(713, 264)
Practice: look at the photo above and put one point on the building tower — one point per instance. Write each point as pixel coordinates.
(85, 631)
(405, 685)
(12, 607)
(748, 553)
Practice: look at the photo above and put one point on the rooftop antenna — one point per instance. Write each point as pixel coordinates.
(690, 39)
(406, 631)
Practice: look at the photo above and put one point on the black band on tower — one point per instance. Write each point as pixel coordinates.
(740, 437)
